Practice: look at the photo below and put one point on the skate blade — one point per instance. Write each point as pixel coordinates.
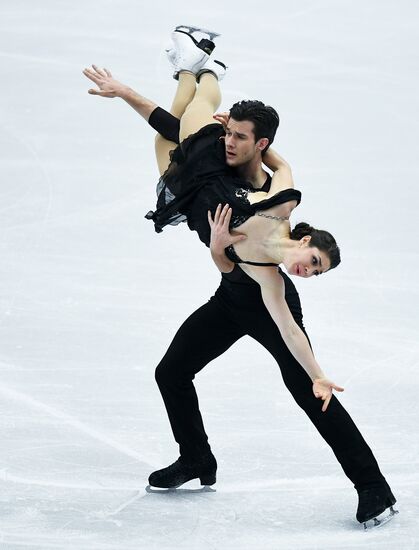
(150, 489)
(162, 490)
(380, 520)
(191, 29)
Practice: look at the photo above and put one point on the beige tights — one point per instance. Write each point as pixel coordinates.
(194, 106)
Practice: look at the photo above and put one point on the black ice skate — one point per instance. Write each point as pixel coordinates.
(372, 503)
(182, 471)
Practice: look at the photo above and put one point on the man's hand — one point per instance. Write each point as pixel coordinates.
(108, 86)
(322, 389)
(221, 237)
(223, 118)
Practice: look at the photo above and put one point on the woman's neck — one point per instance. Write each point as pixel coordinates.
(277, 246)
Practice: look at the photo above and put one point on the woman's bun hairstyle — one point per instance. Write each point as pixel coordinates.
(321, 239)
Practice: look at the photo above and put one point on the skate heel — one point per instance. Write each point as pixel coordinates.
(208, 479)
(390, 501)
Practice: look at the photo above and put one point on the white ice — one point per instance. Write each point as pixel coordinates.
(90, 296)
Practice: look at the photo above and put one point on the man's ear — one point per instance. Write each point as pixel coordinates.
(262, 143)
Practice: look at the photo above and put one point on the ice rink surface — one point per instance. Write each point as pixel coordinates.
(91, 296)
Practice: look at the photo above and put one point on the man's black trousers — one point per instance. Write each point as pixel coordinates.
(234, 311)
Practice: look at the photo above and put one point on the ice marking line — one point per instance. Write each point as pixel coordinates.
(125, 504)
(71, 421)
(11, 478)
(43, 222)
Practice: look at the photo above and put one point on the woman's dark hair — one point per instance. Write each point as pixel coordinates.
(264, 118)
(323, 240)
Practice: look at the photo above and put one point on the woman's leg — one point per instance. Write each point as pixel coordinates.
(185, 93)
(199, 112)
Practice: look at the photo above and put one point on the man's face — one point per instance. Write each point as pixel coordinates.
(240, 144)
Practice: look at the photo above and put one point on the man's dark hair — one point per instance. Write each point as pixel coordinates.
(264, 118)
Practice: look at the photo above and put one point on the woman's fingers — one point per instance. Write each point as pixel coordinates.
(108, 73)
(99, 70)
(222, 117)
(326, 402)
(91, 75)
(326, 394)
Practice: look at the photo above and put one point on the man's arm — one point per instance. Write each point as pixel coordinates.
(221, 237)
(109, 87)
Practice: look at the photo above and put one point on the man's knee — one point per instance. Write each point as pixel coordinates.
(171, 374)
(162, 375)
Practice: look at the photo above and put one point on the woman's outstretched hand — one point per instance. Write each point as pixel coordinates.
(108, 86)
(223, 118)
(221, 237)
(322, 389)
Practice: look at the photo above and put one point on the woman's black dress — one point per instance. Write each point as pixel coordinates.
(198, 179)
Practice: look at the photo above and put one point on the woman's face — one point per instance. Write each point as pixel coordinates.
(305, 260)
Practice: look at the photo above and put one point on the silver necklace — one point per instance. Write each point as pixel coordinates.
(279, 218)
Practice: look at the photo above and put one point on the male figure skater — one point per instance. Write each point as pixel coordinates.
(231, 312)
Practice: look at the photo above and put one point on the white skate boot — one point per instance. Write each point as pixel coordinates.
(202, 38)
(187, 53)
(213, 66)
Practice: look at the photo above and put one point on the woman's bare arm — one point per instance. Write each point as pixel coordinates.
(110, 87)
(273, 295)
